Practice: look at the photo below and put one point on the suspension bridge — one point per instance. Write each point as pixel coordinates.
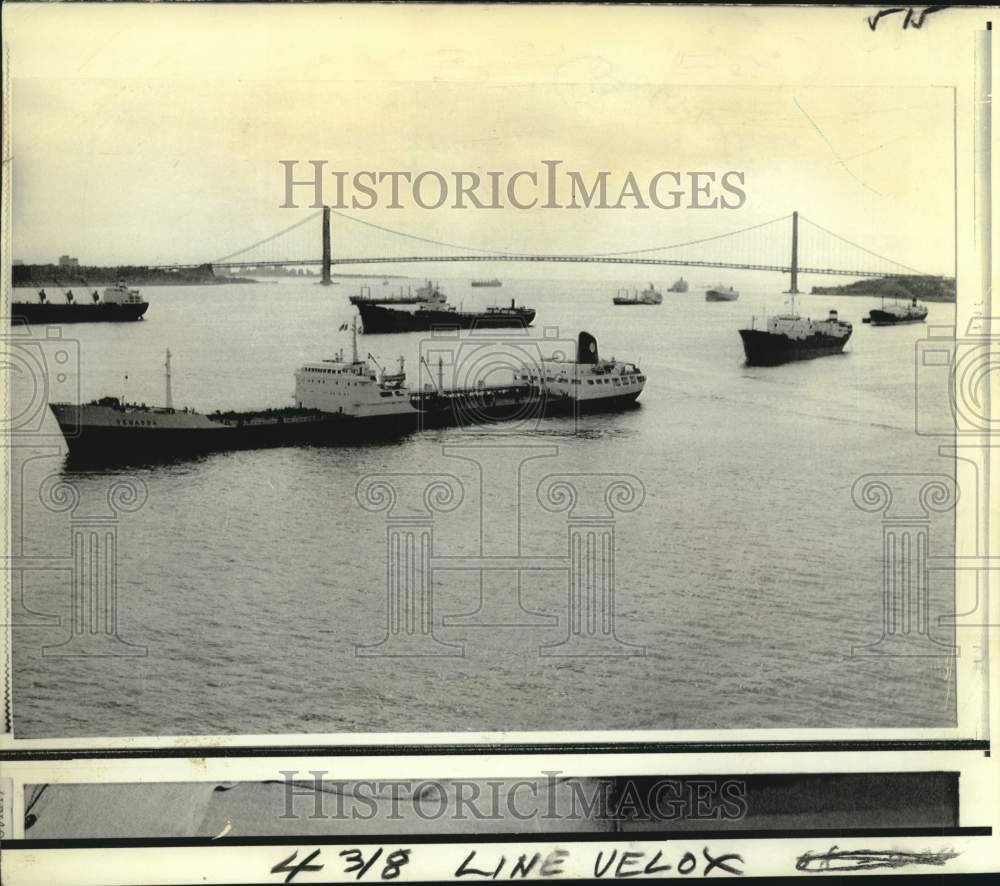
(791, 244)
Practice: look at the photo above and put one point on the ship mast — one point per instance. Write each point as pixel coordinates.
(170, 392)
(354, 339)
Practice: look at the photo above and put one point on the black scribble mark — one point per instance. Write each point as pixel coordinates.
(913, 19)
(833, 150)
(29, 817)
(868, 859)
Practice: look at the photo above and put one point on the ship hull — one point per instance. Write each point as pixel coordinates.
(50, 312)
(511, 405)
(768, 349)
(146, 437)
(885, 318)
(378, 319)
(712, 295)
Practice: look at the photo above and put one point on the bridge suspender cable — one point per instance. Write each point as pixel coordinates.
(862, 248)
(280, 233)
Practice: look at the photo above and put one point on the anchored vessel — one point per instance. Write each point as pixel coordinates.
(493, 282)
(786, 337)
(341, 400)
(721, 293)
(426, 294)
(649, 296)
(587, 383)
(679, 285)
(897, 313)
(118, 304)
(112, 429)
(377, 317)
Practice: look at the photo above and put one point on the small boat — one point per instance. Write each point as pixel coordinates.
(649, 296)
(679, 285)
(721, 293)
(897, 313)
(493, 282)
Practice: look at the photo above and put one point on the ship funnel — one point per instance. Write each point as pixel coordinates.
(833, 314)
(586, 348)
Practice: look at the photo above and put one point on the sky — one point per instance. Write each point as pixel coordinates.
(159, 137)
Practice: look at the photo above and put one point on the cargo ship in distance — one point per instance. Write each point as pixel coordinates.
(679, 285)
(897, 313)
(493, 283)
(341, 400)
(426, 294)
(118, 304)
(787, 337)
(649, 296)
(435, 312)
(721, 293)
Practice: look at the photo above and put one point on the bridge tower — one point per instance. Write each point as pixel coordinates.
(327, 260)
(794, 287)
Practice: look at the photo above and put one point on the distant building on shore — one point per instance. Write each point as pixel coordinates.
(68, 261)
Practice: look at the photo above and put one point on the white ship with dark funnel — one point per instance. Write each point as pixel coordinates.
(587, 383)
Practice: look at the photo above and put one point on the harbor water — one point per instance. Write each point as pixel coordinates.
(743, 580)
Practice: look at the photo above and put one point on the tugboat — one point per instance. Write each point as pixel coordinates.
(377, 318)
(118, 304)
(897, 313)
(787, 337)
(494, 282)
(588, 383)
(721, 293)
(679, 285)
(648, 296)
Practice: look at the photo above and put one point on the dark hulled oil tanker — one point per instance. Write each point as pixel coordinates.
(787, 337)
(434, 312)
(119, 304)
(341, 400)
(895, 314)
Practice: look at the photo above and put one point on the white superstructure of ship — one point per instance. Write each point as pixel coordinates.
(587, 381)
(353, 387)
